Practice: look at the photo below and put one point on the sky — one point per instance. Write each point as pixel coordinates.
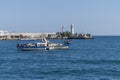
(97, 17)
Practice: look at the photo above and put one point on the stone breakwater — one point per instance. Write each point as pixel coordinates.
(16, 36)
(27, 36)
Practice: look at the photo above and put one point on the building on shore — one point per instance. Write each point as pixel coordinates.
(72, 29)
(3, 34)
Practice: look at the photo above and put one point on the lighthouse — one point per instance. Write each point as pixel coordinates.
(72, 29)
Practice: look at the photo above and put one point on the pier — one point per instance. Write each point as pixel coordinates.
(33, 36)
(5, 35)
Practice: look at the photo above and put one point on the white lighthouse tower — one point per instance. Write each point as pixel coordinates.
(72, 29)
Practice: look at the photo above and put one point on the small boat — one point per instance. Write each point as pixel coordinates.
(45, 45)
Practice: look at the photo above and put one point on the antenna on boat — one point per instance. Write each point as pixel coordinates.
(45, 40)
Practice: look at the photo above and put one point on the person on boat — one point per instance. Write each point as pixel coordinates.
(67, 42)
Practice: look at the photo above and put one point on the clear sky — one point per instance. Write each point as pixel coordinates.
(97, 17)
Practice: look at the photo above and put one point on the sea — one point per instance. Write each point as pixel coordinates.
(86, 59)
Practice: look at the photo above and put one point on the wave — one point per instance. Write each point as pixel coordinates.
(97, 61)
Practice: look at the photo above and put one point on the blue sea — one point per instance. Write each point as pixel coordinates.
(92, 59)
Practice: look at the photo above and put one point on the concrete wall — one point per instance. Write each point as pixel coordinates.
(14, 36)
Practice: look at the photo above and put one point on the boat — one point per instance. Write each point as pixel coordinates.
(45, 45)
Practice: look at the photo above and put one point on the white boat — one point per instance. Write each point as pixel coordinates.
(45, 45)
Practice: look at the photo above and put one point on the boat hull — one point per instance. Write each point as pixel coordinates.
(57, 48)
(31, 49)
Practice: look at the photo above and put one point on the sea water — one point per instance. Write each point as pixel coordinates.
(92, 59)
